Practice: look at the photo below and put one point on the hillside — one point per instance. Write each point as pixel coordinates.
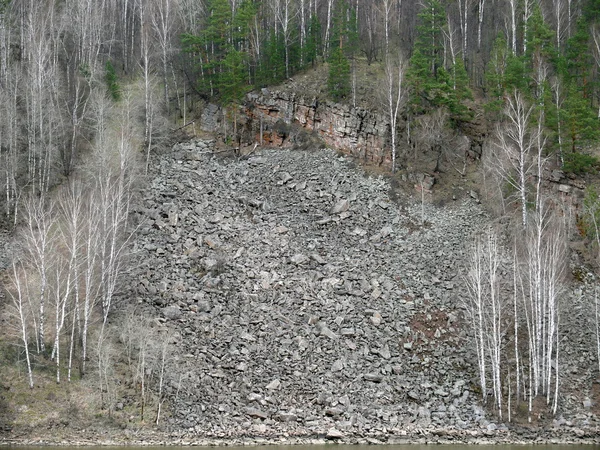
(382, 225)
(304, 297)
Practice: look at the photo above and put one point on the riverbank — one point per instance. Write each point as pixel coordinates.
(154, 438)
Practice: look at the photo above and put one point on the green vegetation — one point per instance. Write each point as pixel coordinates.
(112, 84)
(432, 84)
(338, 82)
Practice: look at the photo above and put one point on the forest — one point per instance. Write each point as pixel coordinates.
(90, 89)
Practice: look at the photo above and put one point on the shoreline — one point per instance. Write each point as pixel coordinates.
(150, 438)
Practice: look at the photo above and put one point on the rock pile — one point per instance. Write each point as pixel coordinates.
(305, 297)
(305, 301)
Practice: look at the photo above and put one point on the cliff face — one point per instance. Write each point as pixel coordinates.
(283, 119)
(354, 131)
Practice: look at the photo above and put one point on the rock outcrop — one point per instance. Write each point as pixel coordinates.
(285, 119)
(353, 130)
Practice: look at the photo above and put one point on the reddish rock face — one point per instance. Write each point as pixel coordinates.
(354, 131)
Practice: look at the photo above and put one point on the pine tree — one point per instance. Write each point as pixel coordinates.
(580, 121)
(272, 66)
(110, 76)
(313, 41)
(221, 47)
(541, 53)
(338, 81)
(432, 20)
(232, 82)
(431, 85)
(495, 76)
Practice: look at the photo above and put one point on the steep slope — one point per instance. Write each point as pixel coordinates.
(304, 297)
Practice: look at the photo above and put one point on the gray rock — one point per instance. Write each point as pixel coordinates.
(287, 417)
(256, 413)
(337, 365)
(385, 352)
(171, 313)
(333, 433)
(340, 207)
(298, 259)
(414, 396)
(325, 331)
(274, 385)
(333, 412)
(373, 377)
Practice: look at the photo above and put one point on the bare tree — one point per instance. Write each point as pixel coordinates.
(516, 144)
(10, 159)
(115, 168)
(105, 355)
(595, 32)
(90, 279)
(71, 215)
(285, 13)
(485, 308)
(164, 351)
(395, 98)
(387, 7)
(480, 17)
(543, 264)
(17, 293)
(163, 21)
(328, 25)
(463, 14)
(475, 307)
(513, 24)
(38, 238)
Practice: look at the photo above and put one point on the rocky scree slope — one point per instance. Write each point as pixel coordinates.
(303, 300)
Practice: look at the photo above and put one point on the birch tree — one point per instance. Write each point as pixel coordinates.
(516, 147)
(163, 20)
(544, 264)
(10, 159)
(17, 293)
(480, 17)
(513, 24)
(38, 236)
(463, 15)
(486, 309)
(395, 99)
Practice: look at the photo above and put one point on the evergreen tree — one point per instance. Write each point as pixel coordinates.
(591, 11)
(541, 53)
(222, 47)
(431, 85)
(272, 66)
(233, 81)
(112, 84)
(461, 91)
(338, 81)
(495, 74)
(430, 40)
(313, 41)
(578, 58)
(580, 121)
